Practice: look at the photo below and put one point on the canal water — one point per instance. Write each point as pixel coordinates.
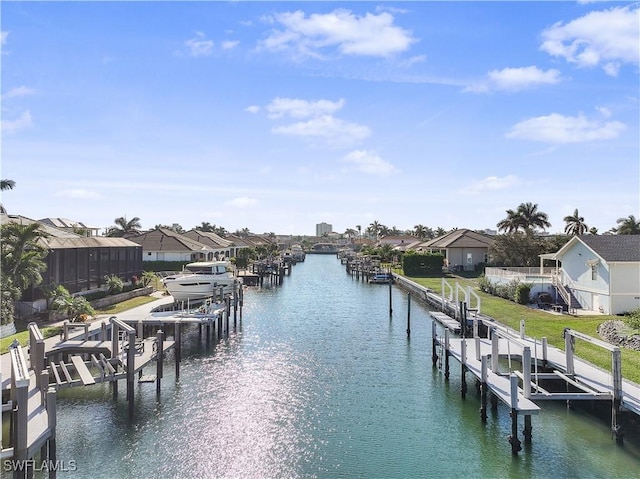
(320, 381)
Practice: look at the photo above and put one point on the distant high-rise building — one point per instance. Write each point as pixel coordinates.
(322, 228)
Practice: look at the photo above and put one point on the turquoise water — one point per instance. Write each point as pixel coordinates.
(319, 381)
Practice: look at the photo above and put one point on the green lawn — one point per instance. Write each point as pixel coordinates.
(539, 324)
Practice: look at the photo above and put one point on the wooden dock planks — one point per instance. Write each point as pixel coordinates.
(81, 368)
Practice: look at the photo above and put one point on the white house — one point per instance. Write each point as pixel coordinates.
(602, 272)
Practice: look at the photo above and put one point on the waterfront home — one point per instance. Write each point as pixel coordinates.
(79, 263)
(463, 249)
(602, 272)
(164, 244)
(596, 273)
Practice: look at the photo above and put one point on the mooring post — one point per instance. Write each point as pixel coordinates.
(227, 316)
(513, 438)
(544, 352)
(526, 372)
(408, 314)
(131, 364)
(103, 331)
(178, 348)
(483, 389)
(390, 301)
(434, 343)
(235, 307)
(616, 372)
(522, 329)
(463, 364)
(568, 346)
(159, 357)
(463, 319)
(446, 354)
(494, 350)
(52, 420)
(527, 431)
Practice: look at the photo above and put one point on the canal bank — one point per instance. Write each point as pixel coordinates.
(319, 380)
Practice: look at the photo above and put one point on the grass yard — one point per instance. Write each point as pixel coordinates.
(539, 324)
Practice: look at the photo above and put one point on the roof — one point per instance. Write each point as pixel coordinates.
(90, 242)
(611, 248)
(165, 239)
(63, 239)
(209, 238)
(65, 223)
(461, 238)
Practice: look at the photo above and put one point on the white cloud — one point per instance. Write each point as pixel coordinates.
(296, 108)
(492, 184)
(78, 194)
(349, 34)
(229, 44)
(556, 128)
(606, 38)
(515, 79)
(241, 202)
(253, 109)
(370, 163)
(19, 91)
(198, 46)
(334, 130)
(3, 37)
(20, 123)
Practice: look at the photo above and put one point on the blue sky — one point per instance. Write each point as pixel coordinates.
(276, 116)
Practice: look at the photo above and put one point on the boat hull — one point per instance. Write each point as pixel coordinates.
(194, 287)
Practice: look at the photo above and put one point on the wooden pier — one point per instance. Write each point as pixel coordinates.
(85, 354)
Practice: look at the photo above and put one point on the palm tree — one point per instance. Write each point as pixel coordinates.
(575, 224)
(350, 232)
(420, 231)
(532, 218)
(526, 216)
(359, 228)
(440, 231)
(510, 224)
(593, 230)
(7, 184)
(374, 229)
(124, 227)
(22, 253)
(628, 226)
(205, 226)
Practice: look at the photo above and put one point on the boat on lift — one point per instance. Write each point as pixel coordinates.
(202, 280)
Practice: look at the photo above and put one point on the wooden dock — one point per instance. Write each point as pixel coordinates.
(530, 363)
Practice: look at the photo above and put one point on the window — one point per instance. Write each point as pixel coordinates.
(469, 258)
(594, 272)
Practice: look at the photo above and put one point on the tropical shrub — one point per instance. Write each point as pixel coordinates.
(522, 293)
(632, 319)
(114, 284)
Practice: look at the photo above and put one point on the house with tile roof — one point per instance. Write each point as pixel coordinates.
(164, 244)
(463, 249)
(222, 248)
(602, 272)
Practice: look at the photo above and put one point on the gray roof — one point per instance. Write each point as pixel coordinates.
(460, 238)
(164, 239)
(613, 248)
(209, 238)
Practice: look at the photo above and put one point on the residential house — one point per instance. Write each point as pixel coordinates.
(222, 248)
(164, 244)
(602, 272)
(463, 249)
(80, 263)
(398, 242)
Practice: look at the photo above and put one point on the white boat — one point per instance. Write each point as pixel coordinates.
(201, 280)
